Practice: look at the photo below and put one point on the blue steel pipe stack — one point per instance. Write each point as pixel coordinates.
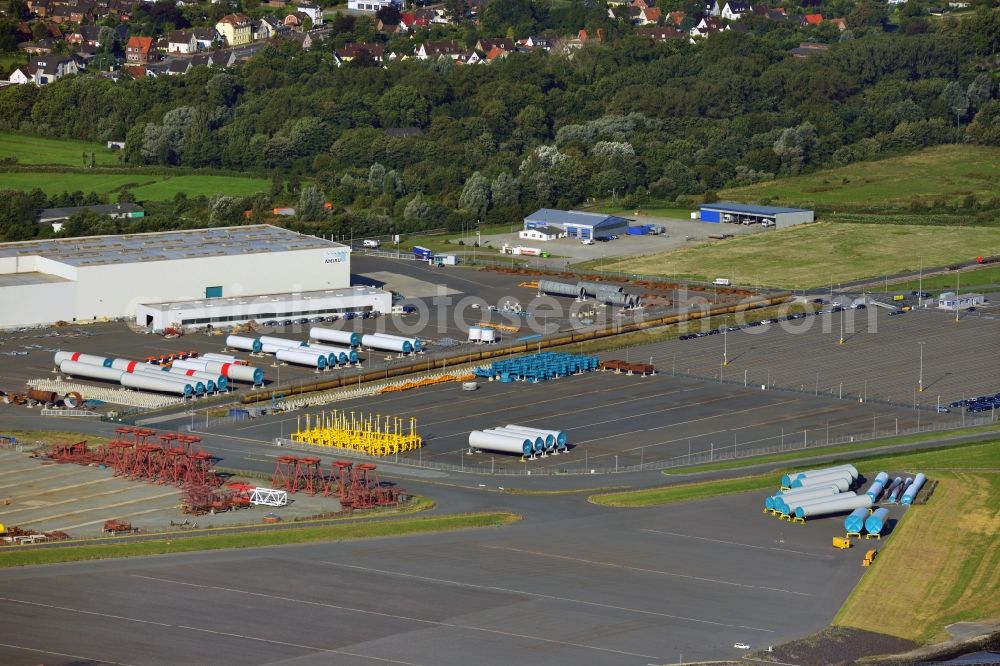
(540, 367)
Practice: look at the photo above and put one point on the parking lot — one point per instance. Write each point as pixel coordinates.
(880, 358)
(660, 585)
(614, 421)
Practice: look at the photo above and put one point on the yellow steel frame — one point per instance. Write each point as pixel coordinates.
(373, 434)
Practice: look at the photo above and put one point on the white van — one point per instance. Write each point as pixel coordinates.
(722, 282)
(370, 243)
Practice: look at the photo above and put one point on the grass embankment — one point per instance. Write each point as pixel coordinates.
(33, 150)
(651, 210)
(941, 564)
(48, 437)
(145, 186)
(845, 448)
(946, 173)
(969, 281)
(360, 530)
(956, 457)
(815, 255)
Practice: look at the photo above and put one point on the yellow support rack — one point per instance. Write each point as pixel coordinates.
(874, 536)
(853, 534)
(368, 433)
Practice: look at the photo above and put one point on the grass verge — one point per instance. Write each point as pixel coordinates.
(297, 535)
(33, 150)
(145, 186)
(845, 448)
(982, 456)
(568, 491)
(970, 279)
(940, 565)
(813, 255)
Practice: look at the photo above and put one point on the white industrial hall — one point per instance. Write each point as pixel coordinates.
(110, 277)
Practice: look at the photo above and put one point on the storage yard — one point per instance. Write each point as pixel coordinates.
(574, 582)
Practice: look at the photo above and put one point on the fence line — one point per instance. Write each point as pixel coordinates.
(502, 465)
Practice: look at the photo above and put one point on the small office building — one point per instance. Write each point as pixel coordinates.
(950, 301)
(577, 224)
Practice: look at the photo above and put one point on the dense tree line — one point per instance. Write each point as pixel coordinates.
(628, 118)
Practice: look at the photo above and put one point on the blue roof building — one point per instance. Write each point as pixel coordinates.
(768, 216)
(578, 224)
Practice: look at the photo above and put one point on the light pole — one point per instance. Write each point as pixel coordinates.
(725, 345)
(841, 340)
(920, 284)
(920, 379)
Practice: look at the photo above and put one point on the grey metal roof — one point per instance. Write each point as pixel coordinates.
(167, 245)
(49, 214)
(550, 216)
(264, 299)
(731, 207)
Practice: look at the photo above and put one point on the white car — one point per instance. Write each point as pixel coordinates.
(741, 646)
(587, 241)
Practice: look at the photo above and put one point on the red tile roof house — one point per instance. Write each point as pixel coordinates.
(140, 51)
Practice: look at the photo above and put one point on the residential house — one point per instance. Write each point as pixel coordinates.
(176, 67)
(839, 22)
(269, 28)
(706, 26)
(674, 18)
(713, 8)
(496, 53)
(181, 41)
(370, 5)
(813, 19)
(536, 42)
(48, 68)
(642, 4)
(661, 34)
(409, 21)
(350, 52)
(41, 47)
(772, 14)
(487, 44)
(23, 74)
(470, 57)
(206, 38)
(236, 29)
(734, 9)
(650, 16)
(293, 21)
(59, 216)
(304, 39)
(434, 50)
(387, 27)
(313, 11)
(140, 51)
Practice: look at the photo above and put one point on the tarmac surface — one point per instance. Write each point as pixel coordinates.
(612, 421)
(573, 583)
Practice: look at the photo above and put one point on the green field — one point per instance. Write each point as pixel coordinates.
(652, 210)
(358, 530)
(942, 172)
(8, 61)
(64, 152)
(943, 559)
(970, 279)
(144, 186)
(815, 255)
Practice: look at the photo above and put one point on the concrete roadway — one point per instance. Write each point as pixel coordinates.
(573, 583)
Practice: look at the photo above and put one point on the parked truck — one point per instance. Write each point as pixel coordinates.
(422, 253)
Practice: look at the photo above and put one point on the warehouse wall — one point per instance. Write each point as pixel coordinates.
(783, 220)
(30, 304)
(115, 290)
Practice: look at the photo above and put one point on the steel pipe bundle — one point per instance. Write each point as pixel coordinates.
(283, 342)
(148, 382)
(242, 342)
(89, 359)
(332, 335)
(492, 441)
(878, 484)
(90, 370)
(243, 373)
(594, 288)
(791, 505)
(836, 505)
(875, 523)
(842, 482)
(893, 489)
(911, 493)
(414, 341)
(225, 358)
(376, 341)
(561, 288)
(787, 479)
(855, 522)
(548, 440)
(900, 489)
(200, 387)
(781, 500)
(313, 359)
(344, 354)
(221, 382)
(561, 440)
(537, 441)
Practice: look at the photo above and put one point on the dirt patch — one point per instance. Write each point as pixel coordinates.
(836, 646)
